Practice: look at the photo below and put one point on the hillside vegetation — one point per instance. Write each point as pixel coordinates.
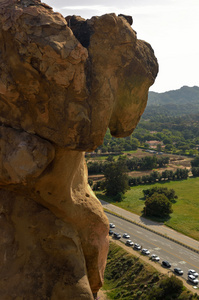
(172, 118)
(129, 278)
(184, 95)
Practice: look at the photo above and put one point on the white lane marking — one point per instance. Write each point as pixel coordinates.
(182, 262)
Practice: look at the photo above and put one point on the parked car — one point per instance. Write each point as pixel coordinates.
(155, 257)
(166, 264)
(126, 236)
(192, 272)
(129, 243)
(145, 251)
(178, 271)
(111, 225)
(117, 235)
(192, 279)
(111, 232)
(137, 246)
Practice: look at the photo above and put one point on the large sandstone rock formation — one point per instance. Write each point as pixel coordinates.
(63, 83)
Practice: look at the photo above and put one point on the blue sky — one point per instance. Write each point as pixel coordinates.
(170, 26)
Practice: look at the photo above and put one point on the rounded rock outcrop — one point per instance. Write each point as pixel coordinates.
(63, 83)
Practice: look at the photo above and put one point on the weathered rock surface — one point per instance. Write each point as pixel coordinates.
(63, 82)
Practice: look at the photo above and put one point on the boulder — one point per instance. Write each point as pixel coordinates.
(63, 83)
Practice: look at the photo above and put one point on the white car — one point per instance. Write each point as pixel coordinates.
(129, 243)
(192, 272)
(111, 225)
(137, 246)
(192, 279)
(145, 251)
(154, 257)
(126, 236)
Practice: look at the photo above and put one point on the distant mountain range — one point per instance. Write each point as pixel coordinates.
(182, 96)
(176, 102)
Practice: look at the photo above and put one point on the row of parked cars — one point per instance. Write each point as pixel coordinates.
(129, 242)
(192, 274)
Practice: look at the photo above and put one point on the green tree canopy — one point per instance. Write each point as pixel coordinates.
(195, 162)
(116, 179)
(169, 193)
(158, 205)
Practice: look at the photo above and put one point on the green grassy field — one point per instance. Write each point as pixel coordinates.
(185, 216)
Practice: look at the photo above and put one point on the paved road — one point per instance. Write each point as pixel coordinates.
(157, 227)
(177, 255)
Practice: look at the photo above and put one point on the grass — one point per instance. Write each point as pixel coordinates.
(115, 157)
(127, 277)
(185, 216)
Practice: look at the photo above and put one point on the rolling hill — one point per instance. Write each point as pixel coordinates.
(179, 102)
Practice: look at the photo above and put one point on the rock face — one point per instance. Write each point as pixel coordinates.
(63, 83)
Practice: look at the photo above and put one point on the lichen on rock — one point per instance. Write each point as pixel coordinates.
(63, 82)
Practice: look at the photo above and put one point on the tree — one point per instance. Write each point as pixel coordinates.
(168, 288)
(158, 205)
(169, 193)
(110, 158)
(159, 148)
(155, 176)
(162, 161)
(148, 163)
(195, 162)
(116, 179)
(195, 171)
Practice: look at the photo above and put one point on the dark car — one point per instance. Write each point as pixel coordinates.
(166, 264)
(178, 271)
(111, 232)
(117, 235)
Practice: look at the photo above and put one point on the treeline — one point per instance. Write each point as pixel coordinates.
(156, 176)
(195, 166)
(177, 134)
(132, 164)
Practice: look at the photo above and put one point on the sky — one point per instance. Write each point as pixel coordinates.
(170, 26)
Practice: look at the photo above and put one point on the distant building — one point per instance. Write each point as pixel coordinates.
(153, 144)
(152, 132)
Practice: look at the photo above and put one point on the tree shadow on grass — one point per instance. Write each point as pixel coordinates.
(146, 219)
(105, 197)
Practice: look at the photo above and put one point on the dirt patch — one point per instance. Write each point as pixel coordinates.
(101, 295)
(176, 162)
